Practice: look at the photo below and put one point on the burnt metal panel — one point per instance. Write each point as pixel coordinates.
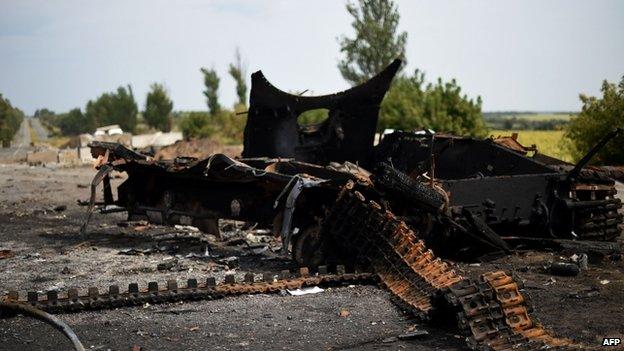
(346, 135)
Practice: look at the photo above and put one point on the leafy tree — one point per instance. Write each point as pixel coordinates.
(410, 104)
(598, 117)
(75, 122)
(376, 42)
(10, 120)
(158, 108)
(211, 82)
(114, 108)
(47, 117)
(43, 113)
(238, 73)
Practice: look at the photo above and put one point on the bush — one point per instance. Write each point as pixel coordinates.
(598, 117)
(196, 125)
(75, 122)
(226, 126)
(441, 107)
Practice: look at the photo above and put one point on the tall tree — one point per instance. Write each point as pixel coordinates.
(238, 72)
(376, 43)
(114, 108)
(158, 108)
(10, 120)
(211, 82)
(599, 116)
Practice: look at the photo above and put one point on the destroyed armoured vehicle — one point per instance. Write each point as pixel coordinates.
(465, 195)
(519, 196)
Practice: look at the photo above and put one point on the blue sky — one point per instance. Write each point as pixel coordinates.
(517, 55)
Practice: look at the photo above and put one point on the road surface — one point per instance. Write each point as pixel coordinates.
(42, 134)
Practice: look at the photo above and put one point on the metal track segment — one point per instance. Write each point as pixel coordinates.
(72, 300)
(492, 311)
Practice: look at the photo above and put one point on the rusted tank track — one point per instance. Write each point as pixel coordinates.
(596, 214)
(73, 300)
(492, 311)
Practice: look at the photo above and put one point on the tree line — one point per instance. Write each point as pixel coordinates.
(411, 103)
(120, 107)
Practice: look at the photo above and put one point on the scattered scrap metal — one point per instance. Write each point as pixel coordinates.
(336, 199)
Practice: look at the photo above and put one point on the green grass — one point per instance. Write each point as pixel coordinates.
(549, 142)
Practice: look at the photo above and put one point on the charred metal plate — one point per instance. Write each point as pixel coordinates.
(346, 135)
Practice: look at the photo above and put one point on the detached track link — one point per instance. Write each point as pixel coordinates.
(403, 263)
(491, 311)
(72, 301)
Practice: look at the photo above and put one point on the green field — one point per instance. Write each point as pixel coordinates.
(536, 116)
(549, 142)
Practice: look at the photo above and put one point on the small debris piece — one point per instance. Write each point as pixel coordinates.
(187, 228)
(582, 261)
(594, 291)
(236, 242)
(194, 328)
(306, 291)
(550, 281)
(59, 208)
(413, 334)
(565, 269)
(344, 312)
(231, 262)
(136, 348)
(6, 254)
(390, 340)
(132, 223)
(605, 282)
(65, 270)
(171, 265)
(136, 252)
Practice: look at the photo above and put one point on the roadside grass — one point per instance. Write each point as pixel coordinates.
(58, 141)
(549, 142)
(34, 137)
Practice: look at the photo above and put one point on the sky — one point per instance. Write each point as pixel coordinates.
(516, 55)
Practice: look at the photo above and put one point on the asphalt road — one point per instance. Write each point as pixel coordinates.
(42, 134)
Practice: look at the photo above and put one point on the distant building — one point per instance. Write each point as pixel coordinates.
(113, 129)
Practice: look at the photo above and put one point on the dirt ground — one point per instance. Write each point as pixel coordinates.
(50, 254)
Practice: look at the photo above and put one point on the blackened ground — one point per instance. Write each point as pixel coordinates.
(49, 254)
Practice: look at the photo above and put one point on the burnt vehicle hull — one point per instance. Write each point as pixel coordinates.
(347, 134)
(466, 197)
(284, 195)
(514, 194)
